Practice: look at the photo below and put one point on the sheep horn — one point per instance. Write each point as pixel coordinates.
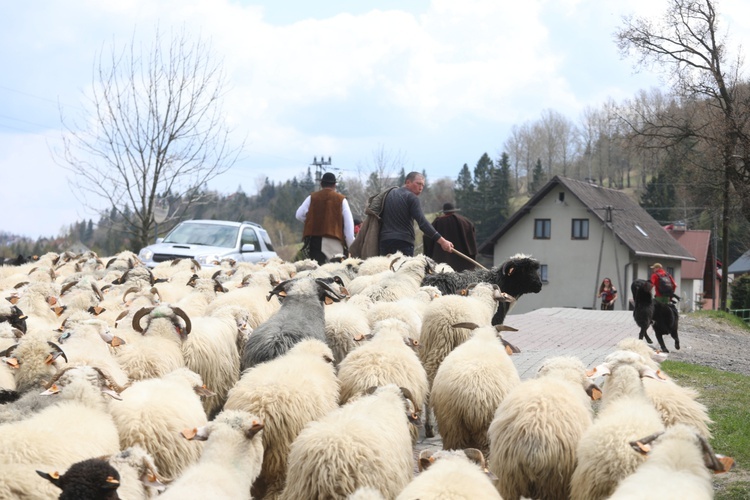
(58, 351)
(468, 325)
(328, 291)
(196, 265)
(218, 287)
(97, 291)
(179, 312)
(129, 290)
(21, 284)
(505, 328)
(137, 318)
(254, 429)
(192, 281)
(475, 456)
(155, 291)
(216, 274)
(110, 381)
(278, 289)
(57, 376)
(109, 262)
(510, 348)
(68, 286)
(122, 279)
(6, 353)
(17, 332)
(642, 445)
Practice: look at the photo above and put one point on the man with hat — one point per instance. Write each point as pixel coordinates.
(328, 221)
(460, 231)
(662, 293)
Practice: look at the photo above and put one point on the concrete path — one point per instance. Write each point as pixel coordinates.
(590, 335)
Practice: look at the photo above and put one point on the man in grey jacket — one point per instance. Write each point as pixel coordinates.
(400, 209)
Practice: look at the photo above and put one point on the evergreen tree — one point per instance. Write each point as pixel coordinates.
(481, 208)
(659, 198)
(401, 177)
(464, 188)
(538, 178)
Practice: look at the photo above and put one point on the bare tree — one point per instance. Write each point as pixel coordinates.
(688, 46)
(153, 126)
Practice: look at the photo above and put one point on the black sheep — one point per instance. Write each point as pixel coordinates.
(92, 479)
(649, 312)
(516, 276)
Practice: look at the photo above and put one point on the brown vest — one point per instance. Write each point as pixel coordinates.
(325, 217)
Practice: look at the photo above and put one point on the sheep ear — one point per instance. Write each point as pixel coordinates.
(254, 429)
(425, 459)
(53, 478)
(111, 483)
(597, 371)
(594, 392)
(716, 463)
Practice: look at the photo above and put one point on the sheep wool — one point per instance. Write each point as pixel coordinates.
(275, 392)
(470, 384)
(536, 429)
(365, 443)
(230, 462)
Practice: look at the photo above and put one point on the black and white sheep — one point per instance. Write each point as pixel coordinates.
(301, 316)
(92, 479)
(517, 276)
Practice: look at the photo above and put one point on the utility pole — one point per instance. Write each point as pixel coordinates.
(318, 167)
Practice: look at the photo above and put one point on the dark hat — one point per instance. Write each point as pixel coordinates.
(448, 208)
(328, 178)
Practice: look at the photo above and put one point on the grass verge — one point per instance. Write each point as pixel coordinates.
(727, 397)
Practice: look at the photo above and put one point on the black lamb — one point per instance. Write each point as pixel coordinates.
(516, 276)
(647, 312)
(92, 479)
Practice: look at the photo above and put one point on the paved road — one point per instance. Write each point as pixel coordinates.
(590, 335)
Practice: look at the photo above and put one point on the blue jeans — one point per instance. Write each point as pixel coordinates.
(392, 246)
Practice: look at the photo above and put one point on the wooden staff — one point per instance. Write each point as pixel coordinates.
(468, 258)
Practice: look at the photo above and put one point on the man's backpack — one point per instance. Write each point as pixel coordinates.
(664, 285)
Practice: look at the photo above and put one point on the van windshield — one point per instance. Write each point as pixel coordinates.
(214, 235)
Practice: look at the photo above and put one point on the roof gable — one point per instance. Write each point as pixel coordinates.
(630, 223)
(697, 242)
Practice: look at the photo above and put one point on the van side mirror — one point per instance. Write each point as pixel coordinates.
(247, 247)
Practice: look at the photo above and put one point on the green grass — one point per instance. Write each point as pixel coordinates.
(727, 396)
(722, 316)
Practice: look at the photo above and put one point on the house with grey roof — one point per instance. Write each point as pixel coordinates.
(741, 265)
(581, 233)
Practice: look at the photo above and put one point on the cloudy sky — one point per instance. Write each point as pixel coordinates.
(436, 82)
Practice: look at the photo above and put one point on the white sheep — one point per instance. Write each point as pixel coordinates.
(675, 403)
(679, 465)
(409, 309)
(158, 348)
(403, 282)
(439, 337)
(61, 434)
(154, 411)
(230, 462)
(536, 429)
(604, 456)
(286, 393)
(211, 351)
(451, 475)
(363, 443)
(468, 387)
(34, 360)
(388, 358)
(346, 325)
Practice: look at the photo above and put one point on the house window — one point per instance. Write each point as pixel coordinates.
(580, 229)
(543, 273)
(542, 229)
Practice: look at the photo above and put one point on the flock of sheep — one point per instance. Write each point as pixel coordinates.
(299, 381)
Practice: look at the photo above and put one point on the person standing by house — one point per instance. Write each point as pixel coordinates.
(664, 284)
(459, 230)
(329, 227)
(400, 208)
(608, 294)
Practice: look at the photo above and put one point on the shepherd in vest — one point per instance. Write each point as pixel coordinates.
(329, 226)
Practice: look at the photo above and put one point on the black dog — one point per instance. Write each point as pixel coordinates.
(649, 312)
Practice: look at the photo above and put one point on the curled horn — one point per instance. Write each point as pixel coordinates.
(16, 332)
(642, 445)
(137, 318)
(151, 277)
(155, 291)
(179, 312)
(328, 291)
(122, 279)
(58, 350)
(216, 274)
(196, 265)
(21, 284)
(109, 262)
(392, 263)
(97, 291)
(128, 291)
(68, 286)
(468, 325)
(218, 287)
